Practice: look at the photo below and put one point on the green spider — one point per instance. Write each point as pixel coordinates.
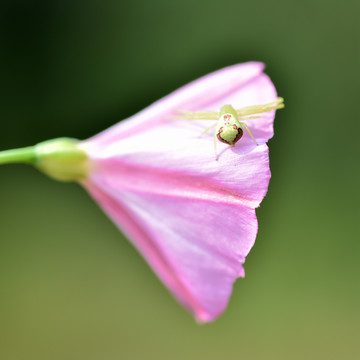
(229, 129)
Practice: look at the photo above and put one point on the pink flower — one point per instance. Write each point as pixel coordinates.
(190, 216)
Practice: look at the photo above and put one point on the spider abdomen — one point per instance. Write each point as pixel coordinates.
(229, 134)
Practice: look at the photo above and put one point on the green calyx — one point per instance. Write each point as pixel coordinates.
(61, 159)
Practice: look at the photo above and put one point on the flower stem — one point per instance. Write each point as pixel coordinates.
(24, 155)
(62, 158)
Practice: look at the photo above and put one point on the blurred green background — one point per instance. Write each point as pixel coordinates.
(72, 287)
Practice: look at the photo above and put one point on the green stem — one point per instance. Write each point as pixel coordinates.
(62, 159)
(24, 155)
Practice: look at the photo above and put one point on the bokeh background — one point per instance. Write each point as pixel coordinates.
(72, 287)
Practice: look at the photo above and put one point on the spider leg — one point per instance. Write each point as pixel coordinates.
(206, 130)
(248, 130)
(197, 115)
(246, 117)
(257, 109)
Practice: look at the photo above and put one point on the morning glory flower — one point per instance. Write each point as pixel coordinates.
(190, 215)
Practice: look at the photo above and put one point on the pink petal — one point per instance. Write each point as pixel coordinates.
(191, 217)
(239, 85)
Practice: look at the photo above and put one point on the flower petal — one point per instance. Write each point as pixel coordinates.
(194, 232)
(239, 85)
(198, 216)
(191, 217)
